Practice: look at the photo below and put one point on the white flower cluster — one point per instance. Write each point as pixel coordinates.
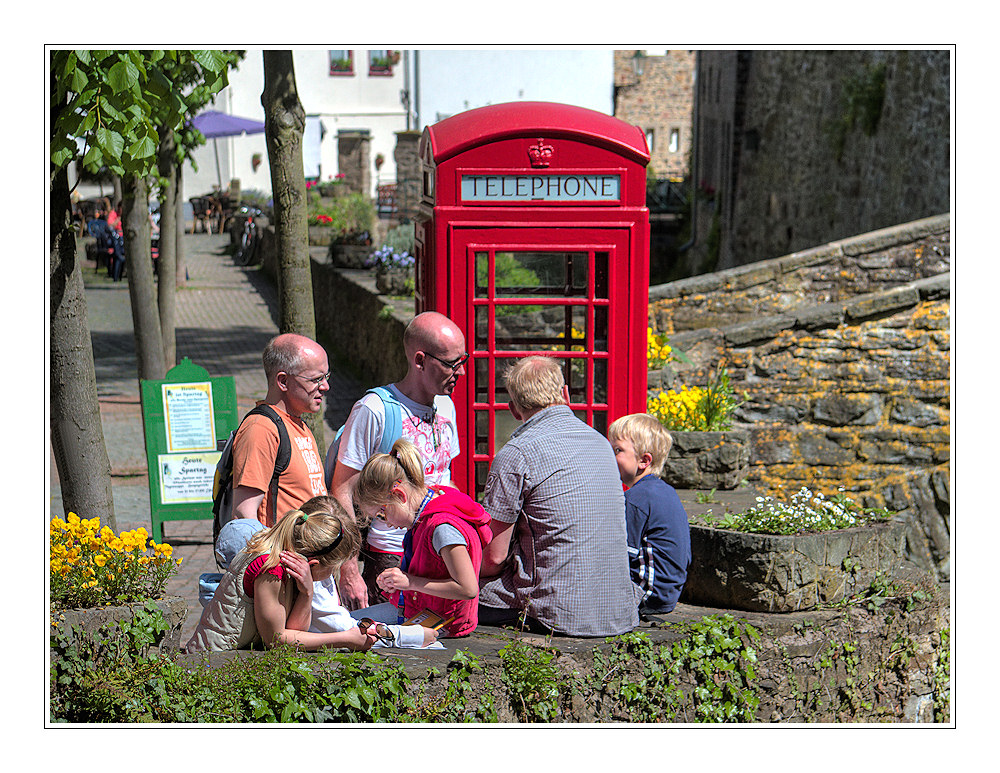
(805, 511)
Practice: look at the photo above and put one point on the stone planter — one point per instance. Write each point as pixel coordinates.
(394, 281)
(349, 255)
(320, 235)
(789, 573)
(174, 609)
(707, 460)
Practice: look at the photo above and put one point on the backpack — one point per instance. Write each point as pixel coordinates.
(222, 488)
(391, 432)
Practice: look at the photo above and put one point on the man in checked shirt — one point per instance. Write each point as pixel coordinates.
(559, 555)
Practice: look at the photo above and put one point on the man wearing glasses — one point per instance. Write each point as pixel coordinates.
(298, 376)
(435, 358)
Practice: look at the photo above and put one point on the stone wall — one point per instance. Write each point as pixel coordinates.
(354, 160)
(843, 355)
(818, 145)
(409, 177)
(659, 102)
(361, 327)
(884, 661)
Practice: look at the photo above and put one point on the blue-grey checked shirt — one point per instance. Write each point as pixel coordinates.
(556, 479)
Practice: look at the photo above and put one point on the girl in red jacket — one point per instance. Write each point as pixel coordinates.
(443, 547)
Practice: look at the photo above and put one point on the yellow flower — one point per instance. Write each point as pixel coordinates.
(100, 559)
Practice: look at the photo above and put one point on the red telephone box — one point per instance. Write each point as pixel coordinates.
(533, 237)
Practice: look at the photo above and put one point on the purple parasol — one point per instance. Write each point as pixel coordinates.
(213, 124)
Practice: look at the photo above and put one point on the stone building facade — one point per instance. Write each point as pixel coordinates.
(354, 158)
(797, 148)
(658, 100)
(843, 356)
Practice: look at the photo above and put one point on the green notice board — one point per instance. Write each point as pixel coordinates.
(187, 418)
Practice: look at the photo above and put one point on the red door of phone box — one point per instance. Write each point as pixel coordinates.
(533, 238)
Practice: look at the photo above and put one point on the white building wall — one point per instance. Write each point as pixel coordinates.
(338, 102)
(442, 82)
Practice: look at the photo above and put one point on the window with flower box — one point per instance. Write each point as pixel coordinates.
(381, 61)
(341, 62)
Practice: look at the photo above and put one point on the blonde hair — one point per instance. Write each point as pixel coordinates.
(647, 436)
(534, 383)
(320, 529)
(383, 471)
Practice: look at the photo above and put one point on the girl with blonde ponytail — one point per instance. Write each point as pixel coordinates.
(442, 549)
(265, 596)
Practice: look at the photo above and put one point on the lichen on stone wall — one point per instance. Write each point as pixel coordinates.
(857, 394)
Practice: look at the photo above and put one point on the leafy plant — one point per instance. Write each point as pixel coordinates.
(532, 681)
(723, 667)
(643, 675)
(942, 679)
(454, 704)
(708, 675)
(401, 238)
(109, 676)
(90, 565)
(351, 216)
(705, 497)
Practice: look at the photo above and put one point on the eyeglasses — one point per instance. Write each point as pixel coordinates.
(380, 513)
(317, 380)
(382, 632)
(454, 364)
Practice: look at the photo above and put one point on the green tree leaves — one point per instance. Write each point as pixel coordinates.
(120, 101)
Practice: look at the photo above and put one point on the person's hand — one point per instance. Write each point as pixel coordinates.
(430, 636)
(352, 587)
(392, 580)
(359, 640)
(297, 567)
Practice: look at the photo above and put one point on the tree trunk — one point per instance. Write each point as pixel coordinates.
(74, 411)
(285, 121)
(166, 285)
(179, 230)
(141, 287)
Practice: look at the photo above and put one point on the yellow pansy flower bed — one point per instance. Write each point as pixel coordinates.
(696, 409)
(91, 566)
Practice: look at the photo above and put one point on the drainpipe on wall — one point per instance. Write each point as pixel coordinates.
(406, 87)
(416, 89)
(694, 161)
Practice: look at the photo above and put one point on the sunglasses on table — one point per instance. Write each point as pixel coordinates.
(382, 632)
